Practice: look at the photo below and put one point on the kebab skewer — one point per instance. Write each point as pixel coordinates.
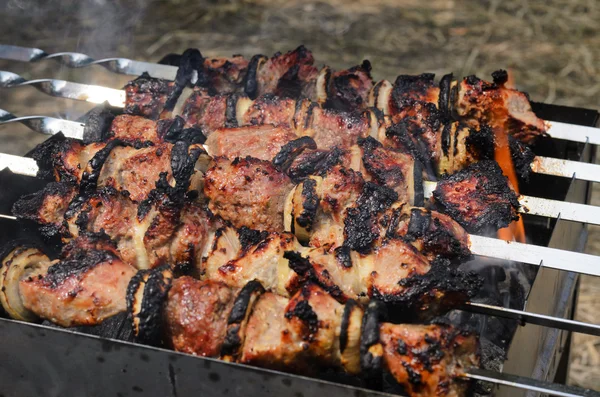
(307, 331)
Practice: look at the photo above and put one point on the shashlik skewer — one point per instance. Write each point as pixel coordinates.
(540, 164)
(140, 183)
(307, 331)
(556, 130)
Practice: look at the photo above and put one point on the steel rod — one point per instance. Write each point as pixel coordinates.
(45, 125)
(533, 318)
(521, 382)
(535, 255)
(66, 89)
(78, 60)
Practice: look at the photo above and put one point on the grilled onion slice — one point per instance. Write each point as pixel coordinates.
(303, 205)
(21, 262)
(350, 337)
(146, 294)
(238, 319)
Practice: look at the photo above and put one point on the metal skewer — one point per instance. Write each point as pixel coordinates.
(521, 382)
(66, 89)
(78, 60)
(116, 98)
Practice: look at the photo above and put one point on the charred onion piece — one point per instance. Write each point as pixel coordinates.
(146, 294)
(19, 262)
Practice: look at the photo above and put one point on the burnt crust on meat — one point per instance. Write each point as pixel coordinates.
(408, 88)
(78, 261)
(310, 204)
(360, 225)
(146, 96)
(437, 238)
(250, 237)
(478, 197)
(427, 295)
(342, 255)
(345, 89)
(288, 153)
(44, 155)
(299, 264)
(97, 124)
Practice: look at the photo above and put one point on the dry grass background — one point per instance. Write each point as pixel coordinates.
(552, 47)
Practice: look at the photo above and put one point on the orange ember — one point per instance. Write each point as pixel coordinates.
(516, 230)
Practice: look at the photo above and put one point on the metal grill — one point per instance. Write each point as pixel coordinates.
(535, 322)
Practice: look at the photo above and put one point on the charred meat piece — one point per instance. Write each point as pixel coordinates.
(504, 109)
(431, 232)
(284, 75)
(478, 197)
(85, 287)
(266, 109)
(429, 360)
(247, 192)
(207, 112)
(235, 262)
(147, 235)
(349, 89)
(391, 168)
(46, 207)
(409, 90)
(126, 168)
(196, 314)
(263, 142)
(417, 129)
(297, 334)
(396, 273)
(133, 129)
(225, 75)
(146, 96)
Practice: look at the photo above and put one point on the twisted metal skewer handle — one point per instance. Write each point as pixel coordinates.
(45, 125)
(66, 89)
(78, 60)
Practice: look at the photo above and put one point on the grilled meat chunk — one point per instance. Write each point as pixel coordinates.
(146, 96)
(429, 360)
(349, 89)
(247, 192)
(263, 142)
(157, 231)
(409, 90)
(478, 197)
(504, 109)
(129, 169)
(207, 112)
(133, 129)
(46, 207)
(224, 75)
(417, 129)
(266, 109)
(298, 334)
(234, 263)
(85, 287)
(285, 75)
(196, 314)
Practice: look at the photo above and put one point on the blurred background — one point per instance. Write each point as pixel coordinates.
(551, 47)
